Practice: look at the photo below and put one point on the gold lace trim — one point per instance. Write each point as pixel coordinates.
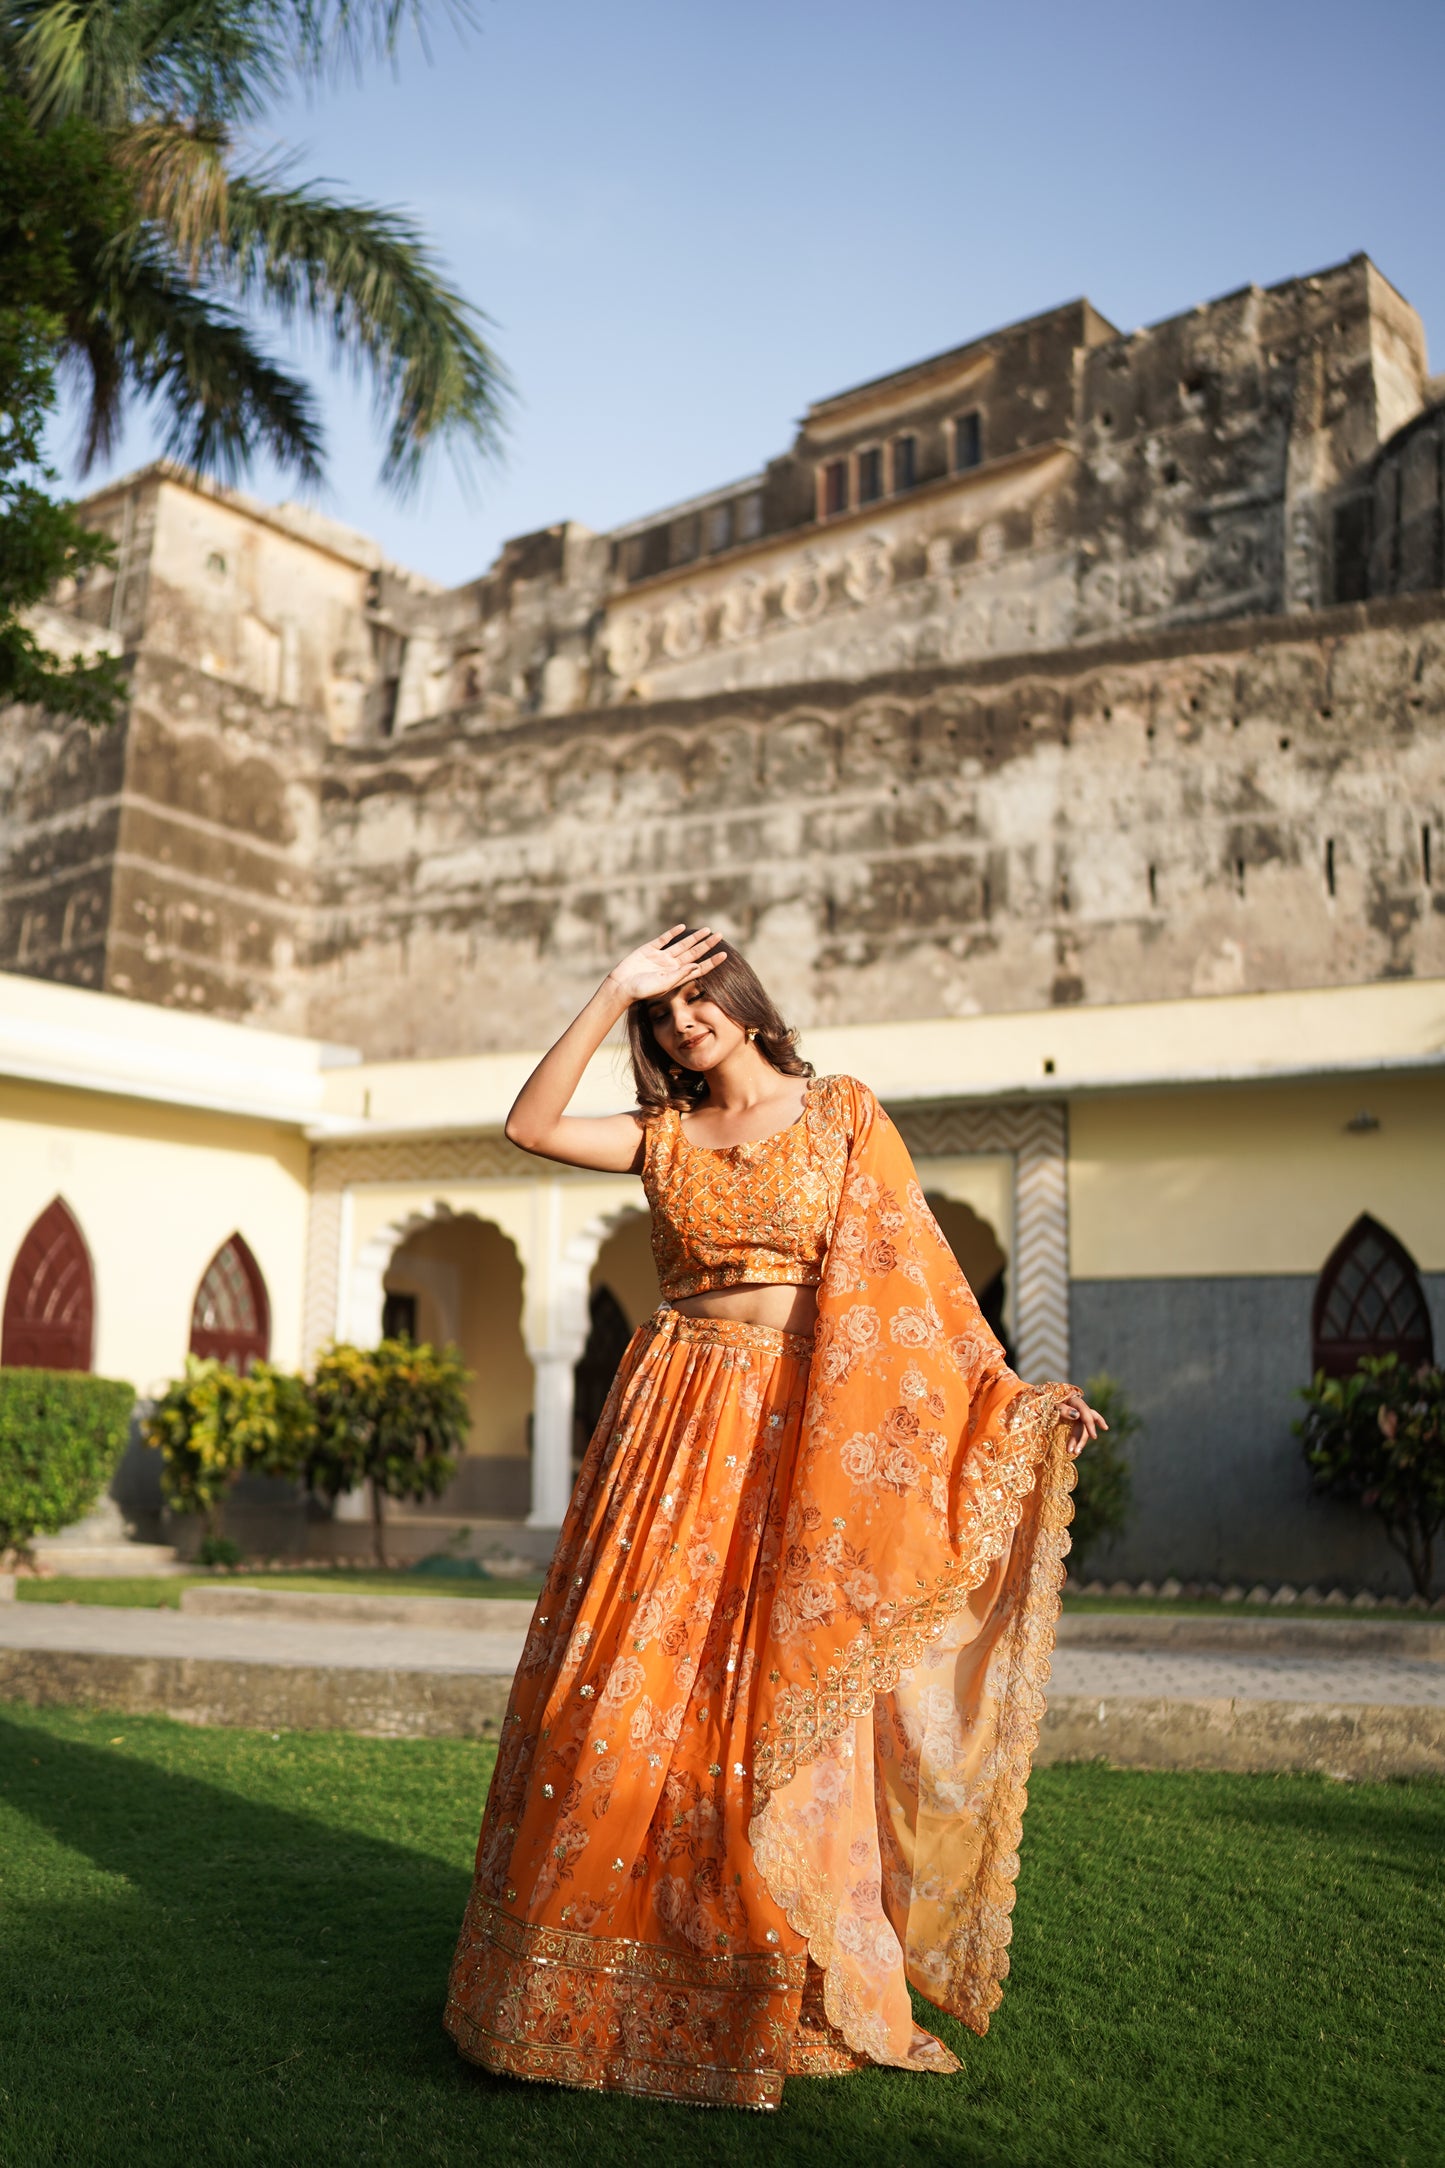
(873, 1665)
(809, 1717)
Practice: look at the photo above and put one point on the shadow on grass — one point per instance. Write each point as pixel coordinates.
(189, 1975)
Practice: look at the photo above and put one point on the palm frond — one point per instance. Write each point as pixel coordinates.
(91, 356)
(223, 397)
(367, 275)
(114, 59)
(178, 170)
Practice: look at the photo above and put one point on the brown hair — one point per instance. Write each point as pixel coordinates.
(740, 994)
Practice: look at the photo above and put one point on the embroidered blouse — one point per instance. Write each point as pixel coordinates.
(732, 1215)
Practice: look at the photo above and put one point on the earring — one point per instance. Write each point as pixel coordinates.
(752, 1033)
(675, 1071)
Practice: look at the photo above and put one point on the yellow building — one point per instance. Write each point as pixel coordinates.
(1155, 1189)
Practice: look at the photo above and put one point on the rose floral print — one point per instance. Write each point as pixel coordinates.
(766, 1754)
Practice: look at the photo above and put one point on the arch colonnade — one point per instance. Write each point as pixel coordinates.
(374, 1204)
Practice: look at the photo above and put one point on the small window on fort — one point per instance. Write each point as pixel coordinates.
(216, 565)
(870, 475)
(718, 528)
(967, 441)
(750, 517)
(835, 487)
(1369, 1301)
(684, 543)
(905, 462)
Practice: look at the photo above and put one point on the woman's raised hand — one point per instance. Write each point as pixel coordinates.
(655, 969)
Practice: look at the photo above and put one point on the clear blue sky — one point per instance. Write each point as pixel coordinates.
(687, 221)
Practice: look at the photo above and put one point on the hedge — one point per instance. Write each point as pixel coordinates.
(61, 1434)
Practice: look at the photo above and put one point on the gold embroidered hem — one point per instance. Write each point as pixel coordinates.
(601, 2013)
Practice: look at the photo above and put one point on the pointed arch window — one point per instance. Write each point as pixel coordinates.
(1369, 1301)
(231, 1318)
(49, 1321)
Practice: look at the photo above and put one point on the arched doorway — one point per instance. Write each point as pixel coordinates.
(457, 1279)
(981, 1255)
(622, 1291)
(231, 1315)
(1369, 1301)
(49, 1321)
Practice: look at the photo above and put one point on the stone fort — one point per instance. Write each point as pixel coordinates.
(1071, 666)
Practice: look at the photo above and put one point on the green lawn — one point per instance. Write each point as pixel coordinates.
(162, 1592)
(223, 1947)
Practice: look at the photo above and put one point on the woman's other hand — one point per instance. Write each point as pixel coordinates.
(1085, 1422)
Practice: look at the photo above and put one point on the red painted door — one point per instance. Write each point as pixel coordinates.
(50, 1302)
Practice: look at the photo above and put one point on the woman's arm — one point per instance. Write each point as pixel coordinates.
(611, 1143)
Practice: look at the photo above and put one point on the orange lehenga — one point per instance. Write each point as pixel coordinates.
(766, 1754)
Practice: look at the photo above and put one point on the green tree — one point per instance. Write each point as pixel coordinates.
(394, 1417)
(41, 540)
(178, 238)
(216, 1423)
(1104, 1490)
(1376, 1439)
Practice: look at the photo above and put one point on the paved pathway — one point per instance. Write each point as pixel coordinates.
(1174, 1675)
(1109, 1674)
(100, 1630)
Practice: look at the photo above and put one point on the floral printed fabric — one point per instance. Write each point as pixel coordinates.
(766, 1753)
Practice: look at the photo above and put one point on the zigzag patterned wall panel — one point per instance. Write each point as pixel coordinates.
(1036, 1134)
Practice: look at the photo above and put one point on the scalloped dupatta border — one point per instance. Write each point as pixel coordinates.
(903, 1679)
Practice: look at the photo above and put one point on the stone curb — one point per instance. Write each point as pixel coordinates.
(1362, 1742)
(262, 1697)
(1359, 1741)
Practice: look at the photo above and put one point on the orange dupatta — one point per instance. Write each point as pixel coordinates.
(899, 1687)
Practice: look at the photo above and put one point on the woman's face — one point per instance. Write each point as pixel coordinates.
(693, 1031)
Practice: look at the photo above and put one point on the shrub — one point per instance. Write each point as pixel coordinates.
(393, 1416)
(61, 1435)
(1104, 1492)
(213, 1423)
(1377, 1439)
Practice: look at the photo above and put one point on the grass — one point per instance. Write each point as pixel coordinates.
(223, 1947)
(162, 1592)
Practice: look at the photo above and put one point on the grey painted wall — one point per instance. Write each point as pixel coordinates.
(1211, 1367)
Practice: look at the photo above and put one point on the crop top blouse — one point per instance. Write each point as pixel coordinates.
(733, 1215)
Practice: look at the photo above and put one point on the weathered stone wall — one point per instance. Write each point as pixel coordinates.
(1160, 817)
(1065, 720)
(169, 858)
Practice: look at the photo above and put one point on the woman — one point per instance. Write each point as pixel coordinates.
(767, 1748)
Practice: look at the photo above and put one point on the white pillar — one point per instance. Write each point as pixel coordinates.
(554, 1315)
(552, 1397)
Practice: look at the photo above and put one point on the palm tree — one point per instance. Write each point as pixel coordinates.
(159, 300)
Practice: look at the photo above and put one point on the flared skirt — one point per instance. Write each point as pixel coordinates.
(619, 1934)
